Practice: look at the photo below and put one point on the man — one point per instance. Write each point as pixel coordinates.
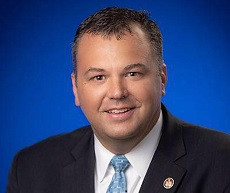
(118, 80)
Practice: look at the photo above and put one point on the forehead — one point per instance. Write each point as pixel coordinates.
(98, 49)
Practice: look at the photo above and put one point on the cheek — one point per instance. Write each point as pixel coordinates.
(147, 91)
(90, 96)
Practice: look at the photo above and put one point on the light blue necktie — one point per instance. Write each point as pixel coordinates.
(118, 183)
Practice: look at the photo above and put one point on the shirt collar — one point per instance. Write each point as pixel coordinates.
(144, 150)
(103, 157)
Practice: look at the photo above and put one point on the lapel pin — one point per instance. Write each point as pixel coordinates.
(168, 183)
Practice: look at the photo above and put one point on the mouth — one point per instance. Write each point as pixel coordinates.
(120, 114)
(119, 111)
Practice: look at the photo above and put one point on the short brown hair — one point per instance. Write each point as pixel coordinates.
(117, 21)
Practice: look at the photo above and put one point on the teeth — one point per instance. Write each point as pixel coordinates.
(116, 111)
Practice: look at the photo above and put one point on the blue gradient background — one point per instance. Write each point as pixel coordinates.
(36, 99)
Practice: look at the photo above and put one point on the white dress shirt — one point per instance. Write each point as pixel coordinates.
(139, 157)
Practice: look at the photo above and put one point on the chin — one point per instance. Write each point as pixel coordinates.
(121, 135)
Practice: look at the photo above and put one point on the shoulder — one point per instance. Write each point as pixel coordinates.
(206, 150)
(43, 162)
(207, 156)
(204, 138)
(58, 146)
(196, 139)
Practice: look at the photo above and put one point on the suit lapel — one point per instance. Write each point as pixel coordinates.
(163, 165)
(78, 174)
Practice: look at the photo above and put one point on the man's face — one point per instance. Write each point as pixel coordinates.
(118, 86)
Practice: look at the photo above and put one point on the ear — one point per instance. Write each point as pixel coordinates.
(74, 84)
(164, 79)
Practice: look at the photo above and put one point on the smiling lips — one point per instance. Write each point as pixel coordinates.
(119, 111)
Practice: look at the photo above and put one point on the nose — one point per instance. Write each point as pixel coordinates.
(117, 89)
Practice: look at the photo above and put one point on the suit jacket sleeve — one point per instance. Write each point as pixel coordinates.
(12, 186)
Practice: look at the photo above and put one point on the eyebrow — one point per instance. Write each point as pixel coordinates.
(93, 69)
(137, 65)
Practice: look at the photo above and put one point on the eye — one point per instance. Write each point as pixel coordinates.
(99, 77)
(133, 74)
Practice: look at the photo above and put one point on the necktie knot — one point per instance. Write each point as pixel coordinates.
(120, 163)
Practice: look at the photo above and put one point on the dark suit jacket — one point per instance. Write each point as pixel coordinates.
(196, 158)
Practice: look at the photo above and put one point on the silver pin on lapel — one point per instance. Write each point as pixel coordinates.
(168, 183)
